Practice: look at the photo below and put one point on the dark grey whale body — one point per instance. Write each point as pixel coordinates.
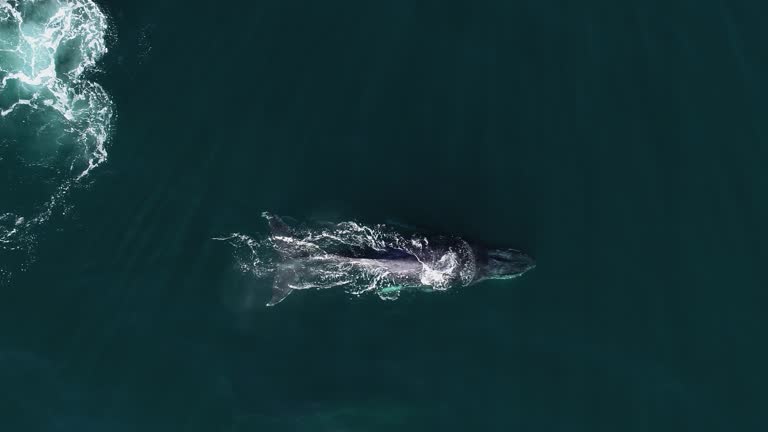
(377, 258)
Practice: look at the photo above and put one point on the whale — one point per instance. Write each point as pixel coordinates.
(381, 259)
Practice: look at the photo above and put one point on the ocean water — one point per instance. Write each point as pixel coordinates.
(623, 145)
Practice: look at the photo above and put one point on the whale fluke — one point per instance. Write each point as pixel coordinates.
(281, 288)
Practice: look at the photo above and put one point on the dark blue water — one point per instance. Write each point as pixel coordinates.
(622, 145)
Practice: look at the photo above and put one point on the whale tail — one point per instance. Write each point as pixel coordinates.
(281, 287)
(284, 277)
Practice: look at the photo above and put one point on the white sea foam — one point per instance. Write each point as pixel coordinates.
(54, 121)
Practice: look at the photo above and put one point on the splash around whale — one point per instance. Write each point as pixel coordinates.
(380, 259)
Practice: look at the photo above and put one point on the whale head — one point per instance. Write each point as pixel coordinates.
(501, 263)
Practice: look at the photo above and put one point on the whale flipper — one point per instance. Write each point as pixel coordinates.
(281, 288)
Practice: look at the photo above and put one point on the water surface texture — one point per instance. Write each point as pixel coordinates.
(55, 120)
(621, 144)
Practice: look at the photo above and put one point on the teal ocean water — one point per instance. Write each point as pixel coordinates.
(623, 145)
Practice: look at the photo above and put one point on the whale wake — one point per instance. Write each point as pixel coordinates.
(55, 120)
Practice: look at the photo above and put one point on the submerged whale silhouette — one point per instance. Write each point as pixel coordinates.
(379, 259)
